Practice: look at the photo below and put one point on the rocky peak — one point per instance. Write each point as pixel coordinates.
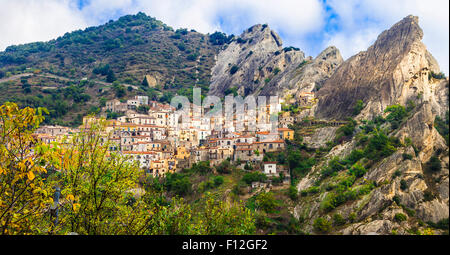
(400, 36)
(259, 33)
(305, 76)
(250, 61)
(380, 76)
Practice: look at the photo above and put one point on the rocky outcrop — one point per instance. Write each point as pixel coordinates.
(255, 63)
(320, 137)
(308, 76)
(250, 61)
(393, 70)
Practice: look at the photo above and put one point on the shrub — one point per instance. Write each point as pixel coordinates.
(310, 190)
(253, 177)
(192, 57)
(218, 180)
(178, 183)
(266, 202)
(322, 225)
(396, 115)
(338, 220)
(437, 76)
(434, 164)
(202, 167)
(333, 166)
(358, 107)
(399, 217)
(397, 173)
(358, 170)
(428, 196)
(355, 155)
(407, 156)
(276, 71)
(219, 38)
(293, 193)
(396, 199)
(352, 217)
(224, 167)
(379, 146)
(403, 185)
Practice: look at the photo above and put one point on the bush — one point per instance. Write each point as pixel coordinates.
(397, 173)
(407, 156)
(333, 166)
(322, 225)
(355, 155)
(434, 164)
(310, 190)
(266, 201)
(293, 193)
(218, 180)
(219, 38)
(399, 217)
(396, 199)
(178, 183)
(192, 57)
(358, 107)
(276, 71)
(202, 167)
(357, 170)
(338, 220)
(379, 146)
(396, 115)
(437, 76)
(403, 185)
(224, 167)
(254, 177)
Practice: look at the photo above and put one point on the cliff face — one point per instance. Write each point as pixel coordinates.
(256, 63)
(396, 69)
(308, 76)
(250, 59)
(393, 70)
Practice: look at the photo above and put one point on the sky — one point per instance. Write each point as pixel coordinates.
(311, 25)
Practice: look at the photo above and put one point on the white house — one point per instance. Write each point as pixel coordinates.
(270, 168)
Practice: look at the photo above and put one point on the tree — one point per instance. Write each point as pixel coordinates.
(358, 107)
(396, 115)
(96, 185)
(143, 109)
(266, 201)
(322, 225)
(434, 164)
(110, 77)
(24, 161)
(202, 167)
(120, 90)
(224, 167)
(357, 170)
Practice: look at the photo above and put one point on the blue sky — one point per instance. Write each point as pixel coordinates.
(311, 25)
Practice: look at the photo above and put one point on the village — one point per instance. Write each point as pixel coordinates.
(162, 143)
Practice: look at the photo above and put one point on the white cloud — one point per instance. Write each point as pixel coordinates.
(300, 22)
(24, 21)
(368, 18)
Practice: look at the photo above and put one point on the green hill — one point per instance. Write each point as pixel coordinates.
(71, 74)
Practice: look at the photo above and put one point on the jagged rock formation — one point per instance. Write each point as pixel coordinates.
(257, 64)
(251, 59)
(309, 76)
(395, 70)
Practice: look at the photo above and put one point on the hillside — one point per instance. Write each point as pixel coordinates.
(122, 51)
